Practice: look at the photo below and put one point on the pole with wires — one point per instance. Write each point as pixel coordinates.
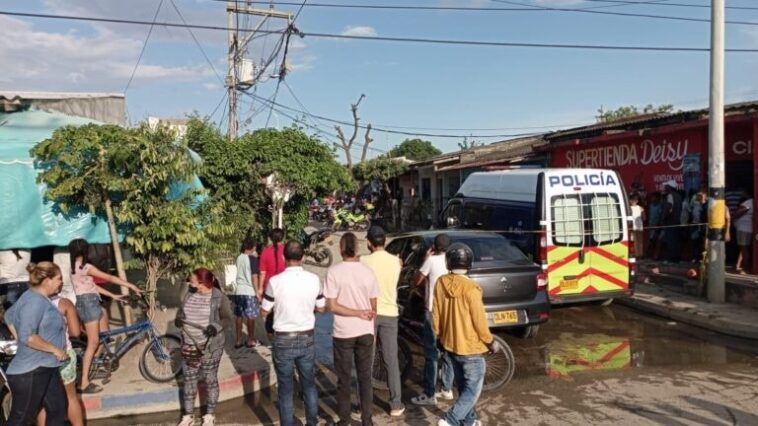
(231, 78)
(717, 205)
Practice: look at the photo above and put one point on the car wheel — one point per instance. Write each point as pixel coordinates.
(528, 332)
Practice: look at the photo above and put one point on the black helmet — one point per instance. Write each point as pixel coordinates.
(459, 256)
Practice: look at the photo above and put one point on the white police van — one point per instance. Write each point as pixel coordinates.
(573, 222)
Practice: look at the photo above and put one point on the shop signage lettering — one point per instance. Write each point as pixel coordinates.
(646, 153)
(742, 147)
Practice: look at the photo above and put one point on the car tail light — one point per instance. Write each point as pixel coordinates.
(541, 279)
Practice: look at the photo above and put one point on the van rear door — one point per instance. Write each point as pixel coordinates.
(586, 234)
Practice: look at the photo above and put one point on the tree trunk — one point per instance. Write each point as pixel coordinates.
(152, 270)
(126, 311)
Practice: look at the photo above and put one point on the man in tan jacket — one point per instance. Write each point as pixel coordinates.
(461, 327)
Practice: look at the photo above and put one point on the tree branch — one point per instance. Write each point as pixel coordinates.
(366, 142)
(354, 109)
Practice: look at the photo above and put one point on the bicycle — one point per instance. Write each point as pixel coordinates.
(161, 359)
(501, 365)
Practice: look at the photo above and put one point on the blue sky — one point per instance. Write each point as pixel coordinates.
(408, 85)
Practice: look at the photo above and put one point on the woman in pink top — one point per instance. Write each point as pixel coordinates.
(88, 302)
(272, 263)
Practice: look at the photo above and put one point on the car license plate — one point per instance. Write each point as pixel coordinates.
(570, 284)
(505, 317)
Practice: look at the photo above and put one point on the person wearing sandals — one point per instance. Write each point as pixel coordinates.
(247, 294)
(68, 367)
(88, 302)
(39, 328)
(200, 317)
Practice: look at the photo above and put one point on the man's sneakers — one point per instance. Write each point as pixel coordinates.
(443, 422)
(442, 395)
(397, 412)
(445, 395)
(188, 420)
(423, 399)
(209, 420)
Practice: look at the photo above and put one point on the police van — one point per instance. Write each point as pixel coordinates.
(575, 223)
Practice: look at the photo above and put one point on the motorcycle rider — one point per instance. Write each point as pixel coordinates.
(460, 323)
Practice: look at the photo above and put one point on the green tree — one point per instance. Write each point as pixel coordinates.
(631, 111)
(468, 144)
(83, 170)
(140, 180)
(415, 149)
(380, 168)
(302, 162)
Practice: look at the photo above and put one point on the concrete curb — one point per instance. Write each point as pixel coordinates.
(706, 321)
(169, 398)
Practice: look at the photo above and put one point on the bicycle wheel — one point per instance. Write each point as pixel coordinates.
(500, 367)
(379, 371)
(161, 360)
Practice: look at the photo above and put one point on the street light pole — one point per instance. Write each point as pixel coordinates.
(716, 205)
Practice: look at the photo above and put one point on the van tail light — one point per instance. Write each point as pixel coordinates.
(632, 257)
(543, 247)
(541, 279)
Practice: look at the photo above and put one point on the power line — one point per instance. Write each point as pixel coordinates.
(521, 7)
(396, 39)
(144, 46)
(383, 130)
(197, 43)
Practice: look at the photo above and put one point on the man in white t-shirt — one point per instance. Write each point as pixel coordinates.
(14, 278)
(743, 224)
(434, 267)
(296, 294)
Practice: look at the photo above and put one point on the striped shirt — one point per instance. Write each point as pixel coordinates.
(197, 310)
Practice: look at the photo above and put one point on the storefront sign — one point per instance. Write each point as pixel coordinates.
(644, 153)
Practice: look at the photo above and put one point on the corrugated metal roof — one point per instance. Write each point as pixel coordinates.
(103, 107)
(16, 94)
(647, 120)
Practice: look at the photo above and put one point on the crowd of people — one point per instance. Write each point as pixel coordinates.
(360, 291)
(42, 375)
(672, 225)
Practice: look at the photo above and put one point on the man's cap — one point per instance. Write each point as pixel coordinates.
(671, 183)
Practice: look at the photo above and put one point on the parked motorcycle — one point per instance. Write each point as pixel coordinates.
(349, 219)
(316, 253)
(8, 349)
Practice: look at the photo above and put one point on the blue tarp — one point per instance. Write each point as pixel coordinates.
(27, 219)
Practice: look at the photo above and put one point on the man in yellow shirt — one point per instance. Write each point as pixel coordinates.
(460, 324)
(387, 268)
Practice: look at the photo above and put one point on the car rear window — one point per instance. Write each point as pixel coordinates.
(492, 248)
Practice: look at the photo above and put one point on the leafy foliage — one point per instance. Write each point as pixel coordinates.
(415, 149)
(631, 111)
(232, 171)
(468, 144)
(380, 168)
(170, 229)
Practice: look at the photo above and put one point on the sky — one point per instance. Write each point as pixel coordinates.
(487, 92)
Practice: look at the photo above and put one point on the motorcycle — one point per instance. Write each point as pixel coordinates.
(347, 219)
(8, 349)
(316, 254)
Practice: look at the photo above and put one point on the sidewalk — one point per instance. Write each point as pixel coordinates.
(665, 291)
(242, 371)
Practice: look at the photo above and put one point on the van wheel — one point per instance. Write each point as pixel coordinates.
(606, 302)
(528, 332)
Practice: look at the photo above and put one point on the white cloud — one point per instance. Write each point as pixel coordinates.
(41, 60)
(211, 86)
(359, 31)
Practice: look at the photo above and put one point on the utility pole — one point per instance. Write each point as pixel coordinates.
(716, 205)
(236, 46)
